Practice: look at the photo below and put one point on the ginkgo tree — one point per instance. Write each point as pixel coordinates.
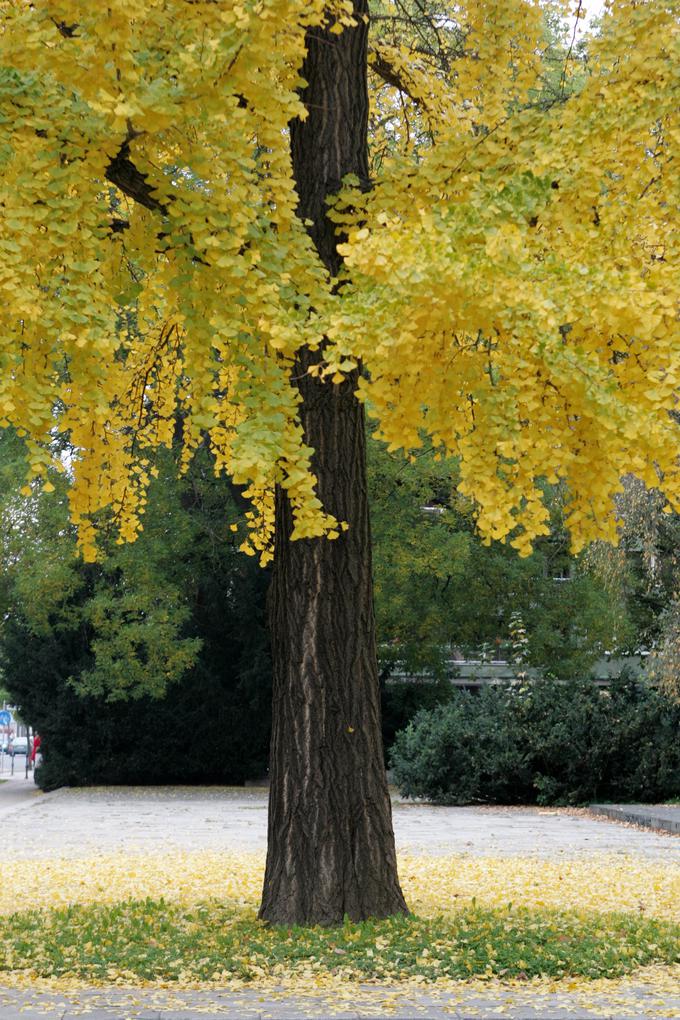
(195, 242)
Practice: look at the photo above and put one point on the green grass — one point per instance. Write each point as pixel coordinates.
(154, 940)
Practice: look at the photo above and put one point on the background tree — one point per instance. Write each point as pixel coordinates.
(150, 666)
(506, 290)
(651, 536)
(439, 588)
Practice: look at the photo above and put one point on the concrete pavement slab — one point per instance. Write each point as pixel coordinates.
(78, 823)
(370, 1002)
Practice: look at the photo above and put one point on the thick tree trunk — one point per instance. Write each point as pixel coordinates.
(331, 845)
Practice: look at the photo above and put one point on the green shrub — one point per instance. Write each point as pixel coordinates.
(401, 700)
(546, 742)
(566, 729)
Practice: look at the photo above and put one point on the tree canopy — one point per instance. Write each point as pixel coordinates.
(506, 280)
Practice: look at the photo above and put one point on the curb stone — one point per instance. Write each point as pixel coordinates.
(651, 816)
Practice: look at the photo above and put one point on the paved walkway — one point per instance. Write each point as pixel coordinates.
(79, 823)
(369, 1002)
(17, 792)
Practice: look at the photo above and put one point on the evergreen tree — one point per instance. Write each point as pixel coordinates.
(151, 665)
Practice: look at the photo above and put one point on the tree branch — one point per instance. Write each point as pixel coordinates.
(68, 31)
(122, 172)
(390, 75)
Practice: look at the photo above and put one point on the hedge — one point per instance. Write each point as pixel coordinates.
(545, 742)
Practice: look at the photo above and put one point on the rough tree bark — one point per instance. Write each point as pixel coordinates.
(331, 845)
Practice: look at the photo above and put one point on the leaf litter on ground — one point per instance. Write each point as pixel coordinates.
(187, 920)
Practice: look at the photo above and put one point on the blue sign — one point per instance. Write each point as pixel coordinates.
(5, 718)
